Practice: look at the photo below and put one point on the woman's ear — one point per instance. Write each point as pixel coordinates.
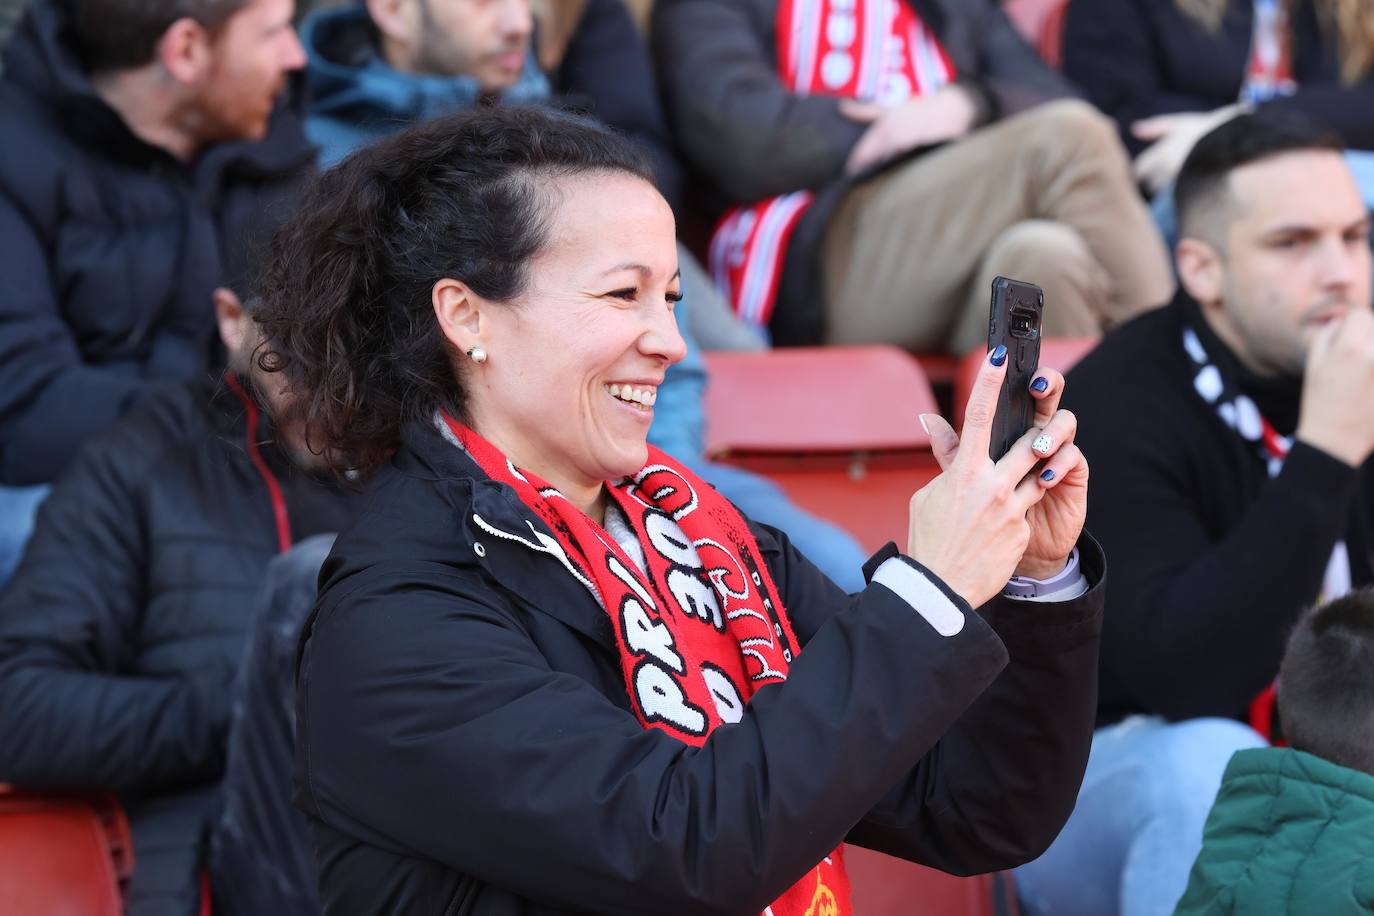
(459, 312)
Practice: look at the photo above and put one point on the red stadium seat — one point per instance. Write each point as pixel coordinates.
(62, 855)
(835, 427)
(884, 886)
(1060, 353)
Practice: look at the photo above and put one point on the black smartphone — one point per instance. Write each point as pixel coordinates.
(1014, 323)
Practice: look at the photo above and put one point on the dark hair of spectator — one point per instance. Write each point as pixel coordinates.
(1326, 682)
(346, 304)
(123, 34)
(1202, 182)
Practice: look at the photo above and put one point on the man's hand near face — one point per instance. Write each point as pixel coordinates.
(1337, 414)
(946, 114)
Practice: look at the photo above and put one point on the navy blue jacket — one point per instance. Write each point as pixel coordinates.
(110, 248)
(465, 743)
(122, 629)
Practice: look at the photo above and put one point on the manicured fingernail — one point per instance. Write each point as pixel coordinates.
(1040, 384)
(1047, 475)
(999, 355)
(924, 424)
(1042, 445)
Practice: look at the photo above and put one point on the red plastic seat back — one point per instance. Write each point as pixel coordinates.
(815, 400)
(884, 886)
(62, 855)
(1060, 353)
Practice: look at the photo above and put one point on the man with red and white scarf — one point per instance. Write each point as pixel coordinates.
(885, 159)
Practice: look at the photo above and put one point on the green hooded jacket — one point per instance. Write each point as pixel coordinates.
(1290, 833)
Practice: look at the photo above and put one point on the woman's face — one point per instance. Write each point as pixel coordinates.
(574, 365)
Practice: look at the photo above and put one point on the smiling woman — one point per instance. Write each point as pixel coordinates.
(550, 669)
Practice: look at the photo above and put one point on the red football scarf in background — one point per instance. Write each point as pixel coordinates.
(872, 50)
(699, 630)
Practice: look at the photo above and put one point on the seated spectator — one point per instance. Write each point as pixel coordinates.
(550, 669)
(1169, 72)
(144, 159)
(888, 159)
(1296, 824)
(1230, 436)
(377, 68)
(122, 629)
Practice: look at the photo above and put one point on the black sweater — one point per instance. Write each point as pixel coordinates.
(1138, 58)
(1211, 559)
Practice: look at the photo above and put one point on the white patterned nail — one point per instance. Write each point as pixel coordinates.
(1042, 444)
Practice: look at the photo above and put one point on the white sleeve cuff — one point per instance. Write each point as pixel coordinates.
(924, 596)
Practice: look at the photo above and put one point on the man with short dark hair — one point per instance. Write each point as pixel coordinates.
(122, 630)
(145, 160)
(1230, 435)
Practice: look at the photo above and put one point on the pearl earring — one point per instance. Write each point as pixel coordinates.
(477, 355)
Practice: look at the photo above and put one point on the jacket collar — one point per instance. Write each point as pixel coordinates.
(503, 535)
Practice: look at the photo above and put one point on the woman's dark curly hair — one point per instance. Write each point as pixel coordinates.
(346, 308)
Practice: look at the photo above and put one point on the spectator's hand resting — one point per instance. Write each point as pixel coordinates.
(1335, 415)
(945, 114)
(1173, 136)
(979, 523)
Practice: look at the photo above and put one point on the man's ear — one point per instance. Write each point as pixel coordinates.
(233, 320)
(395, 19)
(184, 51)
(1200, 269)
(459, 311)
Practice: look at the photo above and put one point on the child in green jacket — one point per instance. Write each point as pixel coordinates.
(1292, 830)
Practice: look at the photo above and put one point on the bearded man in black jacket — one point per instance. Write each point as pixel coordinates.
(1230, 435)
(122, 630)
(145, 156)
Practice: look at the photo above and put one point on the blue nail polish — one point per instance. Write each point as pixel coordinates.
(1040, 384)
(999, 356)
(1047, 475)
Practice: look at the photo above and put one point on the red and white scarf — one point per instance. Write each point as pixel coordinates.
(1269, 68)
(700, 628)
(872, 50)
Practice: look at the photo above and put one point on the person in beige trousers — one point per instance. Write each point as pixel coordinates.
(916, 201)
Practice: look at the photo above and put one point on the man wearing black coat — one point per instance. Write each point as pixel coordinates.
(122, 629)
(145, 157)
(1230, 435)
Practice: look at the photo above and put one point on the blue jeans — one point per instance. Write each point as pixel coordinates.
(835, 553)
(18, 506)
(1137, 827)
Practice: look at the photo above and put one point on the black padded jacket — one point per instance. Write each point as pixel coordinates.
(122, 629)
(465, 743)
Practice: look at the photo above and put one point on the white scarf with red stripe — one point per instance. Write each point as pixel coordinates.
(871, 50)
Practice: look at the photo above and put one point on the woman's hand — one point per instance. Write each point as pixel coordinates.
(978, 523)
(1057, 520)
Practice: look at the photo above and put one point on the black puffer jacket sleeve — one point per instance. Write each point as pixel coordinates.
(50, 399)
(68, 622)
(421, 674)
